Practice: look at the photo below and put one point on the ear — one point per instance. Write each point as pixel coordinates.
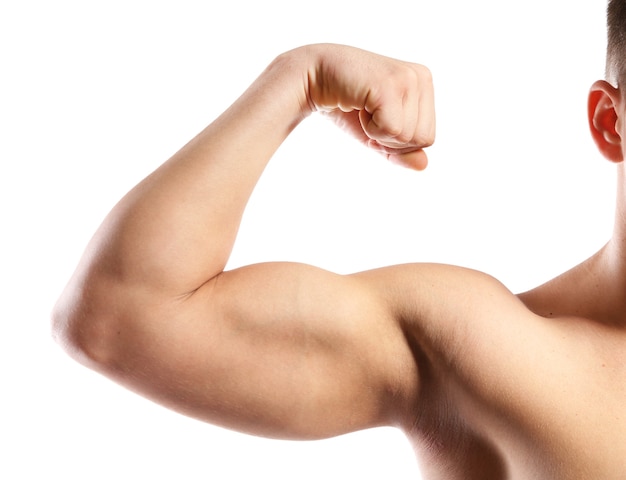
(604, 109)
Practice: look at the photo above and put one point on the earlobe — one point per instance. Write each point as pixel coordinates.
(604, 119)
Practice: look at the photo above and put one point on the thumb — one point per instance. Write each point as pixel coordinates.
(415, 160)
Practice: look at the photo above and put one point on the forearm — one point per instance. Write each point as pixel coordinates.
(175, 230)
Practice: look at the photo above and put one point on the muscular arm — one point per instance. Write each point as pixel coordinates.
(275, 349)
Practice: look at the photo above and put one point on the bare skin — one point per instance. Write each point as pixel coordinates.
(485, 384)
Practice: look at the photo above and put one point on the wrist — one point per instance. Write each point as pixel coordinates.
(298, 68)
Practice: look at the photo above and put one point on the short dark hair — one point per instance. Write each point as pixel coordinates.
(616, 42)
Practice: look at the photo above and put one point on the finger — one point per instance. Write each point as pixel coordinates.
(425, 129)
(415, 160)
(385, 124)
(407, 121)
(408, 157)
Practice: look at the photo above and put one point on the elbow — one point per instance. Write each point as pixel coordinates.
(82, 329)
(66, 332)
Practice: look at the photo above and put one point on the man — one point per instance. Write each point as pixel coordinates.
(485, 384)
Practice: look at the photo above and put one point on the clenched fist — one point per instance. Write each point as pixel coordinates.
(385, 103)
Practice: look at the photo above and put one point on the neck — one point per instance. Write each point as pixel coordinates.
(600, 281)
(612, 257)
(596, 288)
(618, 241)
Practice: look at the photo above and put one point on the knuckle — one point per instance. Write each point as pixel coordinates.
(394, 130)
(404, 137)
(425, 139)
(425, 73)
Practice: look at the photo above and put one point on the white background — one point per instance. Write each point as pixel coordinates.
(94, 95)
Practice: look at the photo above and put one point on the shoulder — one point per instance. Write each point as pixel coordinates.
(466, 329)
(446, 302)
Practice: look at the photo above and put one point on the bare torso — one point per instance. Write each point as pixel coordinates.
(553, 402)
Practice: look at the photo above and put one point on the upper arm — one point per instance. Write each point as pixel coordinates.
(280, 349)
(293, 351)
